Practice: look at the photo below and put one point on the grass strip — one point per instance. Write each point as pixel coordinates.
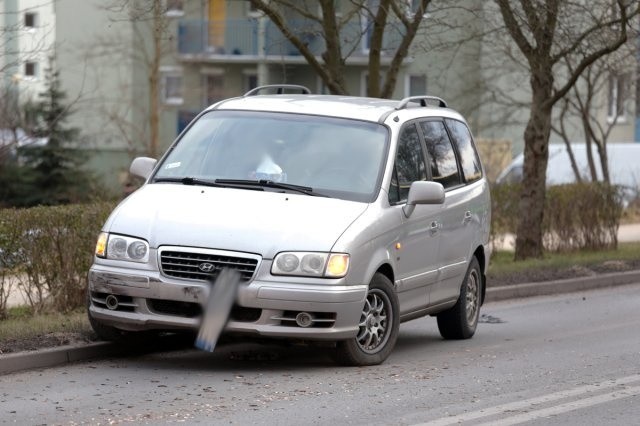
(502, 262)
(20, 324)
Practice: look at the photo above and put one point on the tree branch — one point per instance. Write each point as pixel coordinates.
(403, 49)
(513, 27)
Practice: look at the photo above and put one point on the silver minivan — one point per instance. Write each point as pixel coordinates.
(344, 216)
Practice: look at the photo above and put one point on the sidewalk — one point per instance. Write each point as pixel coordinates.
(16, 297)
(629, 233)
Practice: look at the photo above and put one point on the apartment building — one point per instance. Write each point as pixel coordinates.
(26, 42)
(215, 49)
(226, 48)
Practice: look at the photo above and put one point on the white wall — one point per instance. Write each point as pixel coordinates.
(34, 45)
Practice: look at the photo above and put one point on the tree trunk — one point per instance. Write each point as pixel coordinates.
(154, 80)
(588, 144)
(536, 156)
(604, 161)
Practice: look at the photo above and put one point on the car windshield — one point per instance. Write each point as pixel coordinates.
(340, 158)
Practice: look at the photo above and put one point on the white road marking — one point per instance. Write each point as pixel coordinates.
(532, 402)
(566, 407)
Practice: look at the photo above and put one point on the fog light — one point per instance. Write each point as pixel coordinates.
(112, 302)
(304, 319)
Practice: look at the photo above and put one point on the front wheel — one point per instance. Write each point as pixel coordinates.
(378, 327)
(460, 321)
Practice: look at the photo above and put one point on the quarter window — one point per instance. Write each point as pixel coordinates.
(409, 165)
(442, 157)
(468, 156)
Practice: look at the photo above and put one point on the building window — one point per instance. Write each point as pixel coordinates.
(250, 81)
(215, 88)
(366, 24)
(252, 10)
(618, 92)
(415, 85)
(171, 86)
(175, 8)
(364, 82)
(30, 20)
(411, 8)
(322, 87)
(31, 69)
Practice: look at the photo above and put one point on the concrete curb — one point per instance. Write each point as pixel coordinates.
(50, 357)
(561, 286)
(71, 353)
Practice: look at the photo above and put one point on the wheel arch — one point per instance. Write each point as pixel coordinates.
(480, 255)
(387, 270)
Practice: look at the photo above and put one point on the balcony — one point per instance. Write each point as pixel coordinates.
(243, 41)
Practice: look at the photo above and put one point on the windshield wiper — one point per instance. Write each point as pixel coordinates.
(271, 184)
(189, 181)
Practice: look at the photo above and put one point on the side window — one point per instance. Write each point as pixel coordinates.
(469, 159)
(444, 167)
(409, 164)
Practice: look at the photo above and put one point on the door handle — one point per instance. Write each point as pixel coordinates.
(434, 227)
(467, 217)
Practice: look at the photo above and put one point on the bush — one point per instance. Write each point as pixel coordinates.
(49, 250)
(576, 216)
(582, 216)
(504, 212)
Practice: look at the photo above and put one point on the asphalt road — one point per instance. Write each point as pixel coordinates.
(569, 359)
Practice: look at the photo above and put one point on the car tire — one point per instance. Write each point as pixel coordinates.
(379, 325)
(104, 332)
(460, 321)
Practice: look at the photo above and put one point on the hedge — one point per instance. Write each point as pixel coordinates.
(46, 253)
(576, 216)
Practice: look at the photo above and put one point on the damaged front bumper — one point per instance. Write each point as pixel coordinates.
(134, 300)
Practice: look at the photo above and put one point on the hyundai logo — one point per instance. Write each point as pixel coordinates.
(207, 267)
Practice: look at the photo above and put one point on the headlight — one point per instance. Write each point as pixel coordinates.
(330, 265)
(120, 247)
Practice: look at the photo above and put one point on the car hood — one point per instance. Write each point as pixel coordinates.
(261, 222)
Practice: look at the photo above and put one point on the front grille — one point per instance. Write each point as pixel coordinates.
(189, 265)
(173, 307)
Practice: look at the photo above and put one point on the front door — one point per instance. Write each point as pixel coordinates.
(417, 245)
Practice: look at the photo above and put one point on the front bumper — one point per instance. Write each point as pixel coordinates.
(150, 300)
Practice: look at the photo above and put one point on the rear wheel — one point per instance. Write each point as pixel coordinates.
(378, 327)
(461, 320)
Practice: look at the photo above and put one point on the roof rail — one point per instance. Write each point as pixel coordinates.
(280, 88)
(422, 100)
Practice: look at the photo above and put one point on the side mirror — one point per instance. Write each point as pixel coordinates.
(423, 192)
(142, 166)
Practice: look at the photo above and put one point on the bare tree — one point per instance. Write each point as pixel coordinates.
(151, 43)
(375, 21)
(11, 120)
(590, 96)
(558, 40)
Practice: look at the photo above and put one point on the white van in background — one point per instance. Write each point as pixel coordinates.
(624, 166)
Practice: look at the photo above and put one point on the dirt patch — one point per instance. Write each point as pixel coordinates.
(552, 273)
(49, 340)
